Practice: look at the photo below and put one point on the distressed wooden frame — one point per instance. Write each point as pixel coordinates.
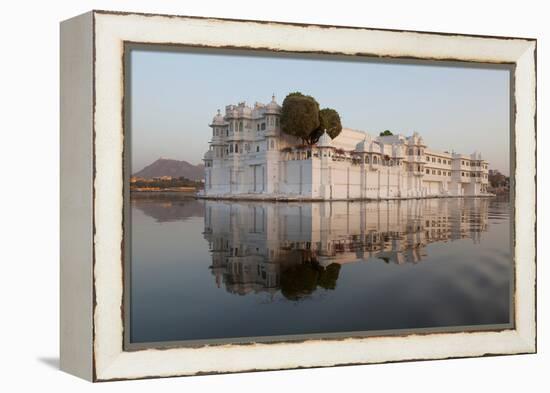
(92, 189)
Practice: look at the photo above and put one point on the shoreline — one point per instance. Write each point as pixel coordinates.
(272, 198)
(282, 198)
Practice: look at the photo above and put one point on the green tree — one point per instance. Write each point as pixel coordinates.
(300, 280)
(386, 133)
(329, 120)
(328, 276)
(300, 116)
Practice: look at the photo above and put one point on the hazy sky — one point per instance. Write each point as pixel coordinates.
(176, 94)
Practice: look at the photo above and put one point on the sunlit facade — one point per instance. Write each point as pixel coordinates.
(249, 157)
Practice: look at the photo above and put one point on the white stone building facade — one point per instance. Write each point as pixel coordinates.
(250, 157)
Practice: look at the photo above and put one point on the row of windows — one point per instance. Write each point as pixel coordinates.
(473, 174)
(448, 173)
(438, 160)
(438, 172)
(234, 147)
(448, 161)
(239, 128)
(383, 162)
(474, 163)
(240, 125)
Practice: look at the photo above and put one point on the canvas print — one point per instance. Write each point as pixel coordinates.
(281, 196)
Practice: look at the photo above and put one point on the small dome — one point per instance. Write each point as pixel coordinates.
(362, 146)
(273, 107)
(325, 140)
(218, 120)
(209, 155)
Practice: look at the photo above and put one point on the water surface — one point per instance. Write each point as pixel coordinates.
(226, 270)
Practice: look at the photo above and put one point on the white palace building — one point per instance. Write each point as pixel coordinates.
(250, 157)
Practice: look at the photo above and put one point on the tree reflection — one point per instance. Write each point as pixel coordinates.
(301, 280)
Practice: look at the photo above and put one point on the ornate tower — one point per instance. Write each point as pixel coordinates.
(272, 153)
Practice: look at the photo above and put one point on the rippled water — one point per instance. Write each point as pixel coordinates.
(218, 270)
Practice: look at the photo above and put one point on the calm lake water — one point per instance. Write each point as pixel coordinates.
(215, 270)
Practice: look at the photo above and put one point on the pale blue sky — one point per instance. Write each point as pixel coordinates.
(176, 94)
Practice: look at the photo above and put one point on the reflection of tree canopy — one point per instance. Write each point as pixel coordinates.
(300, 280)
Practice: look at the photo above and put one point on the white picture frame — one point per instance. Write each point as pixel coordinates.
(92, 194)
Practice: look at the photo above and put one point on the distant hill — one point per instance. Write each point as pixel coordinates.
(174, 168)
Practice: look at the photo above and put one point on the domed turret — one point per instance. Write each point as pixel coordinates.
(363, 146)
(218, 120)
(325, 140)
(209, 155)
(273, 107)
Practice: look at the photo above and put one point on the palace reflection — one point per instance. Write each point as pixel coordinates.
(298, 248)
